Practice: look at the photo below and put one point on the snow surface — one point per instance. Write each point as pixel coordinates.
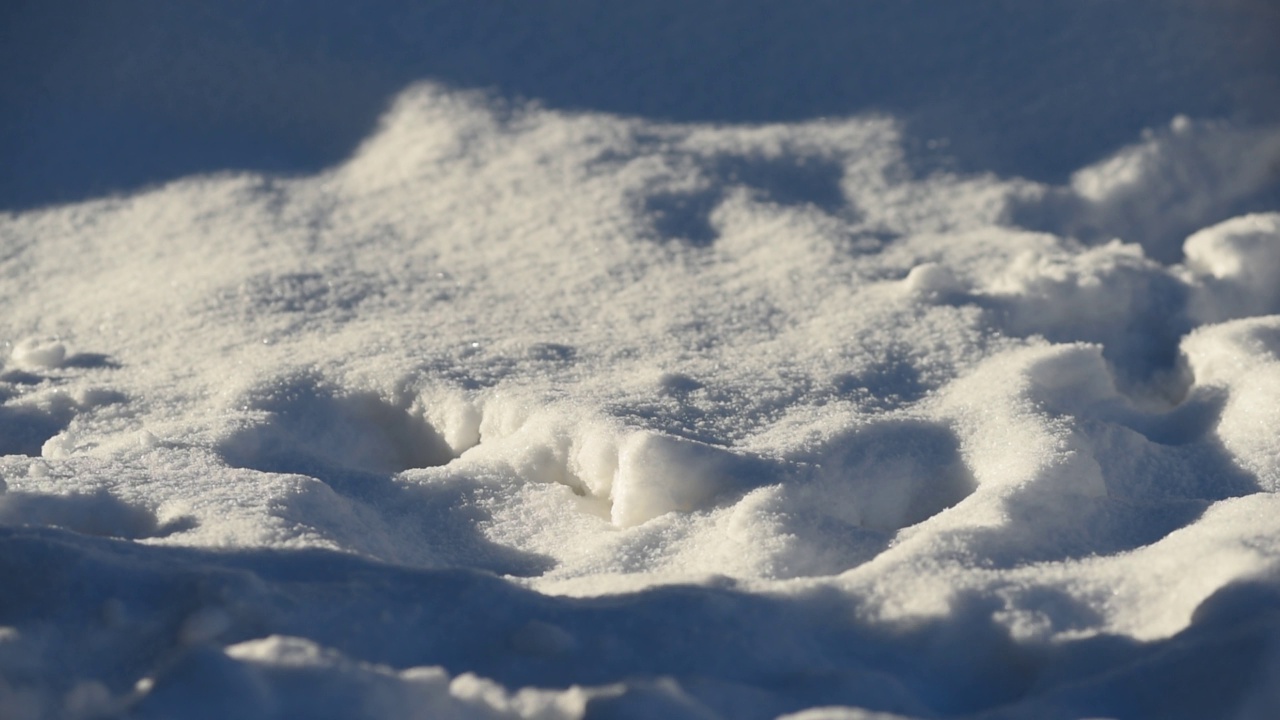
(912, 380)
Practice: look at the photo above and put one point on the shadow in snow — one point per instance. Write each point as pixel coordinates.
(100, 514)
(1152, 490)
(841, 504)
(893, 474)
(890, 384)
(355, 442)
(786, 180)
(733, 653)
(90, 361)
(686, 215)
(313, 428)
(1136, 314)
(20, 377)
(24, 430)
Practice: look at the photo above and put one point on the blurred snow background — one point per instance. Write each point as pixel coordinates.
(110, 97)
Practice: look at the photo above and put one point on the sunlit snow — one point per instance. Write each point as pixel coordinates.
(557, 393)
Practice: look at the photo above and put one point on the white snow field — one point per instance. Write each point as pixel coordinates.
(856, 360)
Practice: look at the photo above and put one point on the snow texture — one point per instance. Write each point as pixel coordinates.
(685, 360)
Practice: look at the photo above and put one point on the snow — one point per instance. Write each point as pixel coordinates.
(896, 360)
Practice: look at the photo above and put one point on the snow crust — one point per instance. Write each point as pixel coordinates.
(523, 412)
